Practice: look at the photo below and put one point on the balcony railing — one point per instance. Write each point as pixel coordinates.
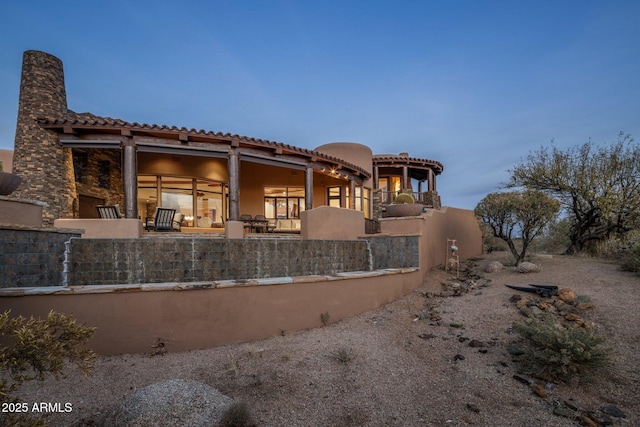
(428, 198)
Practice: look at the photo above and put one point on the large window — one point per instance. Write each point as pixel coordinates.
(283, 202)
(363, 197)
(334, 196)
(200, 202)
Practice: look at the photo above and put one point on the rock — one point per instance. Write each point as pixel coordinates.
(426, 336)
(567, 295)
(458, 357)
(493, 267)
(564, 412)
(586, 421)
(473, 407)
(514, 350)
(571, 317)
(527, 267)
(539, 390)
(613, 411)
(521, 379)
(535, 311)
(170, 403)
(522, 302)
(476, 343)
(584, 306)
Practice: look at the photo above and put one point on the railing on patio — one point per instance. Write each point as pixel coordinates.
(428, 198)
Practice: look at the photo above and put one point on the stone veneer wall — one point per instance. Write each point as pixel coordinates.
(36, 258)
(32, 257)
(90, 187)
(192, 259)
(45, 166)
(394, 251)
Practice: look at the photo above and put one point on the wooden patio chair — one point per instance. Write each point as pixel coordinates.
(246, 221)
(260, 224)
(163, 220)
(109, 212)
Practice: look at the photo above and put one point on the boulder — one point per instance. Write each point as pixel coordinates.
(567, 295)
(170, 403)
(527, 267)
(494, 267)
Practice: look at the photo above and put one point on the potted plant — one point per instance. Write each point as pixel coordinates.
(404, 205)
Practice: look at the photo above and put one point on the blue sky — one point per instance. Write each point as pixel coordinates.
(475, 85)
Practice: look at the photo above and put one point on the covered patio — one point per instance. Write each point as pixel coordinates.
(209, 178)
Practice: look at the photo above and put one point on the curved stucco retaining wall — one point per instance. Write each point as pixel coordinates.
(187, 316)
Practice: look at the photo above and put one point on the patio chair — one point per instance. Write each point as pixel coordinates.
(246, 220)
(260, 224)
(109, 212)
(163, 220)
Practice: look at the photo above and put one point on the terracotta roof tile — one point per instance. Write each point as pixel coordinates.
(91, 120)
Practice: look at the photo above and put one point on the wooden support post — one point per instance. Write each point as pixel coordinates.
(308, 188)
(405, 178)
(234, 184)
(130, 177)
(352, 194)
(375, 178)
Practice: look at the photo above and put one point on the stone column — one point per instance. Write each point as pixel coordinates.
(45, 166)
(130, 177)
(234, 184)
(308, 188)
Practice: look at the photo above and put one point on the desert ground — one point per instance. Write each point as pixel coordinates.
(408, 363)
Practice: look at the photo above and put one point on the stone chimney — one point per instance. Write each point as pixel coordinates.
(45, 166)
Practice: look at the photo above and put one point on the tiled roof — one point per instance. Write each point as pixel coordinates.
(88, 120)
(410, 161)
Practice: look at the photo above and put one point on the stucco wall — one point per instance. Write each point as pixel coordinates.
(20, 212)
(332, 223)
(132, 322)
(435, 227)
(6, 157)
(103, 228)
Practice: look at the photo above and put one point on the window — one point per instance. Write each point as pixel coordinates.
(334, 196)
(104, 174)
(201, 202)
(283, 202)
(80, 163)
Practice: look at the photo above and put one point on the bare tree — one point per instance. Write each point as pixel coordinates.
(598, 186)
(517, 215)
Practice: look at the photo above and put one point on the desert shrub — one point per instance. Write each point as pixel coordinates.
(555, 353)
(343, 355)
(34, 348)
(238, 415)
(624, 249)
(555, 238)
(630, 260)
(324, 318)
(404, 198)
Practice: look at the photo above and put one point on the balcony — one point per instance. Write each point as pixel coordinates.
(430, 199)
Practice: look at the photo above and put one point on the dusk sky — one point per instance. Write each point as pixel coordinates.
(475, 85)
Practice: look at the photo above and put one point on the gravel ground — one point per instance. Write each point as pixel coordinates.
(385, 368)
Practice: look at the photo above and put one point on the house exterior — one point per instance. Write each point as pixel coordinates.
(76, 161)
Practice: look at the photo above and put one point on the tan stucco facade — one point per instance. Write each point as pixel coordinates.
(6, 158)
